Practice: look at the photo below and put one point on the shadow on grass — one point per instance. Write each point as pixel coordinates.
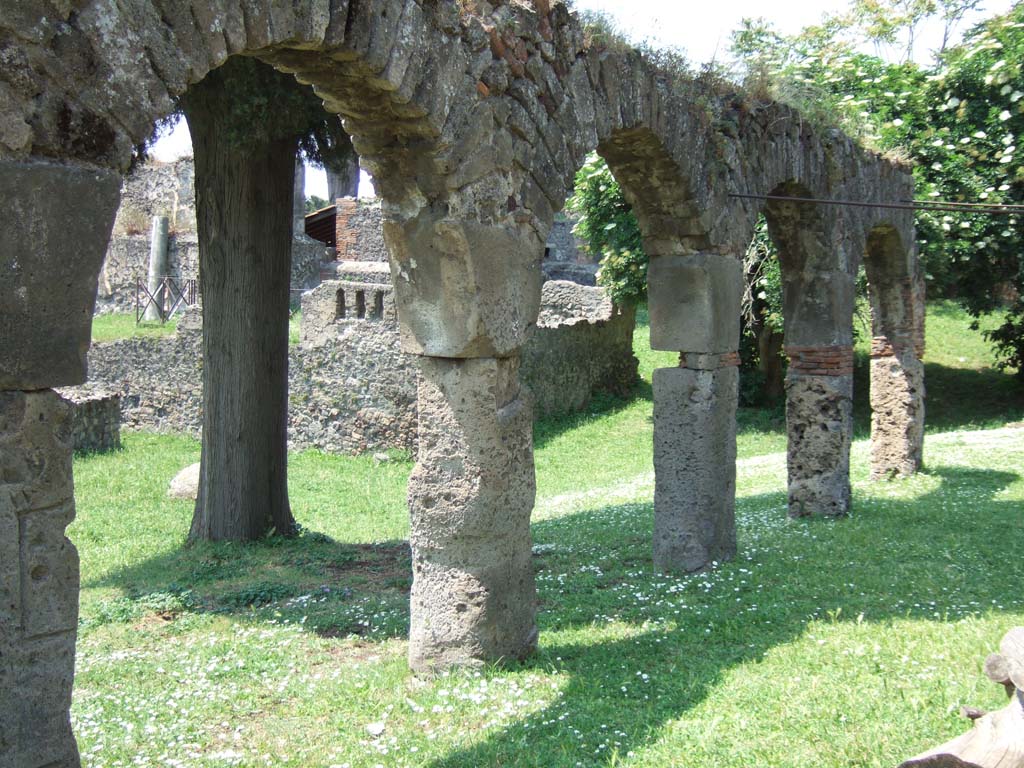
(335, 589)
(894, 560)
(955, 398)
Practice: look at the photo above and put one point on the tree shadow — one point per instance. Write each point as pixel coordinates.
(955, 398)
(336, 589)
(893, 560)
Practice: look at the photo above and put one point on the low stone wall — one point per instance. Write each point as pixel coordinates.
(583, 344)
(351, 388)
(95, 419)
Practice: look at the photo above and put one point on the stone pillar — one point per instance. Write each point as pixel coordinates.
(897, 381)
(818, 311)
(38, 581)
(50, 260)
(470, 498)
(157, 269)
(467, 294)
(695, 308)
(819, 427)
(299, 199)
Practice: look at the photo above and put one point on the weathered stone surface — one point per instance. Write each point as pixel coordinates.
(819, 425)
(583, 344)
(38, 581)
(694, 467)
(897, 416)
(57, 222)
(694, 302)
(464, 289)
(185, 484)
(470, 498)
(818, 308)
(95, 419)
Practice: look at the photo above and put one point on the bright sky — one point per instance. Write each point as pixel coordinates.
(701, 29)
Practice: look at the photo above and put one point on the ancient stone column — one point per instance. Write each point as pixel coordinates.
(695, 309)
(38, 581)
(819, 428)
(897, 380)
(470, 499)
(818, 309)
(50, 262)
(157, 269)
(467, 293)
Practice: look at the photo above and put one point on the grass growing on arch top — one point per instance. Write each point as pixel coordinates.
(821, 645)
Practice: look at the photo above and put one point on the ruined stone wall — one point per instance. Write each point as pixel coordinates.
(95, 420)
(583, 344)
(167, 189)
(351, 388)
(128, 261)
(153, 189)
(358, 230)
(562, 244)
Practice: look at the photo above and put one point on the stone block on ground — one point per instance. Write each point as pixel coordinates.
(185, 484)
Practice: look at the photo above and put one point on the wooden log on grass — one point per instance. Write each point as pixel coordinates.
(997, 739)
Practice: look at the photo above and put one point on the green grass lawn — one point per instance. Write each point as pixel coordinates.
(848, 643)
(117, 325)
(122, 325)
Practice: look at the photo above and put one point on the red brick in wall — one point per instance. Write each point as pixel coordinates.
(820, 361)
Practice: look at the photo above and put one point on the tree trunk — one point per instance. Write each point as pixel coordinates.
(769, 344)
(244, 217)
(341, 164)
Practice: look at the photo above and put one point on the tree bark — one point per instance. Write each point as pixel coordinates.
(243, 206)
(341, 163)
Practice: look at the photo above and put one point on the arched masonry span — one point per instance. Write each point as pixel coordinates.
(472, 126)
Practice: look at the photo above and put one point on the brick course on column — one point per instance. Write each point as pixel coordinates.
(820, 361)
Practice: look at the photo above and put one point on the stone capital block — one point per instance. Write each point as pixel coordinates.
(464, 289)
(694, 301)
(819, 428)
(470, 498)
(694, 467)
(818, 308)
(57, 222)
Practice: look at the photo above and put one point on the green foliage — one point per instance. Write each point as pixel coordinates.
(610, 230)
(315, 203)
(959, 124)
(970, 153)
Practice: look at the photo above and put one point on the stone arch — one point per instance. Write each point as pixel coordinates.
(896, 293)
(818, 297)
(472, 126)
(694, 292)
